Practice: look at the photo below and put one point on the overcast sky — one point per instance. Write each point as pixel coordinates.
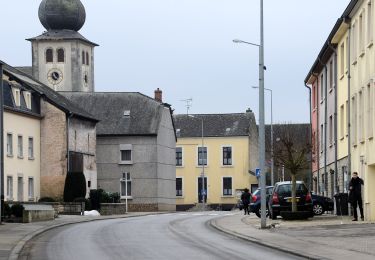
(185, 48)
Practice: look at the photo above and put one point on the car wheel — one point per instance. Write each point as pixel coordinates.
(318, 209)
(257, 212)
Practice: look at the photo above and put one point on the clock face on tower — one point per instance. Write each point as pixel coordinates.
(55, 76)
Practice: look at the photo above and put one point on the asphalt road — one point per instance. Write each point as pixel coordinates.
(168, 236)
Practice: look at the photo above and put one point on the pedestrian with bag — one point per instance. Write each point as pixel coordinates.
(245, 197)
(355, 195)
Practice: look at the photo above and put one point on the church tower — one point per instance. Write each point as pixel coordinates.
(61, 57)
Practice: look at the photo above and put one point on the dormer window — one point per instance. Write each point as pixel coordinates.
(27, 96)
(49, 55)
(17, 96)
(60, 55)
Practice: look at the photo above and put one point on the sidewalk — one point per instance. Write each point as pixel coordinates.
(13, 236)
(323, 237)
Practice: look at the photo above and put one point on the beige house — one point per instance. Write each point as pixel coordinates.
(45, 137)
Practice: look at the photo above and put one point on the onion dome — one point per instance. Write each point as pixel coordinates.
(62, 14)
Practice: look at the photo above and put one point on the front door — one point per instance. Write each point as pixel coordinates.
(202, 193)
(20, 189)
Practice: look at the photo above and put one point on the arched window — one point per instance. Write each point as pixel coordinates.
(83, 58)
(87, 58)
(60, 55)
(49, 55)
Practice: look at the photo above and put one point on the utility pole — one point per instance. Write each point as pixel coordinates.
(263, 223)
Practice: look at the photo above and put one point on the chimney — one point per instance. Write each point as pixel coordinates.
(159, 95)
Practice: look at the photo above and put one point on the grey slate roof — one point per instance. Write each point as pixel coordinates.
(28, 70)
(215, 125)
(46, 92)
(61, 35)
(109, 108)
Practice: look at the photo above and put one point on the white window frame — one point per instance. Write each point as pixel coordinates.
(27, 97)
(222, 186)
(222, 156)
(354, 120)
(17, 96)
(197, 156)
(31, 188)
(126, 180)
(370, 110)
(126, 147)
(30, 149)
(20, 146)
(182, 157)
(182, 187)
(10, 189)
(342, 60)
(342, 122)
(370, 28)
(330, 130)
(10, 145)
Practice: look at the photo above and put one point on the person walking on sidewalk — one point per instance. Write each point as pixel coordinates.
(245, 197)
(355, 195)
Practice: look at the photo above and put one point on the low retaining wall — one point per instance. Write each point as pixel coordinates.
(120, 208)
(30, 216)
(62, 208)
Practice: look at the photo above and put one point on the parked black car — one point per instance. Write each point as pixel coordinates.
(255, 200)
(321, 204)
(281, 198)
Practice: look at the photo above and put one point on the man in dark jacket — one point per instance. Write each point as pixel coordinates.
(355, 195)
(245, 197)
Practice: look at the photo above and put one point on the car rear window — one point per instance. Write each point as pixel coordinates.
(286, 190)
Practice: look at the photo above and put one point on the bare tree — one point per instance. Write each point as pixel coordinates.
(292, 150)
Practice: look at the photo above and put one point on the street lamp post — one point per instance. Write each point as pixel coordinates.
(203, 191)
(272, 148)
(261, 139)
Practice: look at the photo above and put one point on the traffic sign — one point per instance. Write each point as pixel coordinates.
(257, 172)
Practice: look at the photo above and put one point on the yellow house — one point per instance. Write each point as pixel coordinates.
(362, 74)
(21, 143)
(229, 152)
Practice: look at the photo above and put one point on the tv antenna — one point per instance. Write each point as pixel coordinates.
(188, 105)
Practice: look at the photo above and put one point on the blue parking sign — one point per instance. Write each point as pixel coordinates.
(257, 172)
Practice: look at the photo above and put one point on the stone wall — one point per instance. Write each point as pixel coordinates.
(53, 166)
(120, 208)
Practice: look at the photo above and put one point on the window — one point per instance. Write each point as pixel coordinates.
(87, 58)
(179, 187)
(330, 130)
(49, 55)
(321, 87)
(354, 43)
(178, 132)
(83, 58)
(342, 59)
(361, 117)
(314, 97)
(202, 155)
(126, 154)
(31, 148)
(227, 186)
(27, 96)
(9, 187)
(342, 121)
(227, 155)
(331, 75)
(178, 156)
(31, 188)
(126, 185)
(347, 118)
(20, 146)
(370, 112)
(361, 34)
(354, 121)
(369, 22)
(321, 138)
(17, 96)
(60, 55)
(10, 144)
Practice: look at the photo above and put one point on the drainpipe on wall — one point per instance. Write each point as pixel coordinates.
(1, 145)
(335, 184)
(325, 123)
(310, 138)
(348, 114)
